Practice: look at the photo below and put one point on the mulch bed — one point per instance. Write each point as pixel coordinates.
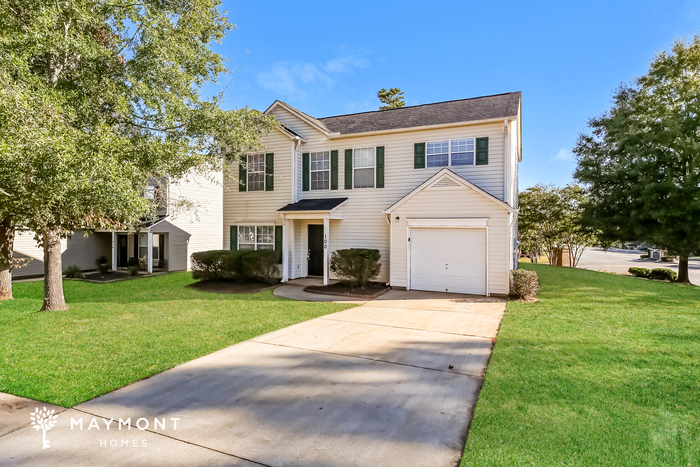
(374, 289)
(230, 287)
(106, 277)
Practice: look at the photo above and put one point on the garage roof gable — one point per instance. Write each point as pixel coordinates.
(445, 177)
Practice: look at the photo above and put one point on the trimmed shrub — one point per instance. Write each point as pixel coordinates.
(356, 265)
(133, 271)
(74, 272)
(668, 259)
(260, 265)
(524, 284)
(217, 265)
(663, 274)
(103, 265)
(640, 272)
(644, 256)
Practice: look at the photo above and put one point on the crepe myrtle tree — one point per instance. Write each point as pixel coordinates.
(96, 98)
(640, 162)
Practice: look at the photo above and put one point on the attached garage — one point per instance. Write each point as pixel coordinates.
(448, 260)
(449, 235)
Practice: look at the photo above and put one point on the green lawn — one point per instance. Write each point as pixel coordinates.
(605, 370)
(118, 333)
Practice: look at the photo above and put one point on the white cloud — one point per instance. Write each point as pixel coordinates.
(564, 155)
(299, 79)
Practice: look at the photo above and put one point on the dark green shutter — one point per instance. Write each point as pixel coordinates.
(278, 242)
(348, 169)
(305, 171)
(419, 156)
(233, 241)
(270, 171)
(242, 178)
(334, 170)
(482, 151)
(380, 166)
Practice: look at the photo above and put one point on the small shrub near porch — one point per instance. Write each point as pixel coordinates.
(358, 266)
(524, 285)
(244, 265)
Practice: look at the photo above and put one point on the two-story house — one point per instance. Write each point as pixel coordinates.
(434, 187)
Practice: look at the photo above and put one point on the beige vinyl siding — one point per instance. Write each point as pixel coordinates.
(198, 224)
(454, 202)
(78, 250)
(260, 207)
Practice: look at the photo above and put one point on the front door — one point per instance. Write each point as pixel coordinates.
(315, 255)
(123, 252)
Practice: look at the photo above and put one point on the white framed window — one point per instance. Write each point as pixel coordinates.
(450, 153)
(363, 167)
(143, 247)
(256, 237)
(320, 167)
(255, 172)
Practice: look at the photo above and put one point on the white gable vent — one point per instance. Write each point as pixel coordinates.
(445, 182)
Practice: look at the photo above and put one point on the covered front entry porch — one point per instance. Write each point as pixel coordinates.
(145, 250)
(306, 237)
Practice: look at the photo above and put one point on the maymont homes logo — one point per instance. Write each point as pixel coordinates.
(43, 420)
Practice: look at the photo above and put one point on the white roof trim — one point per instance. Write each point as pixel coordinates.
(298, 113)
(435, 178)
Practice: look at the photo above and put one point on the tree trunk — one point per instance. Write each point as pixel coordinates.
(683, 277)
(7, 238)
(53, 270)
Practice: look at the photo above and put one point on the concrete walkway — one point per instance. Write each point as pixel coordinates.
(393, 383)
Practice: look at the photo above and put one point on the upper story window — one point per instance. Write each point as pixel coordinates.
(256, 172)
(320, 168)
(364, 165)
(256, 237)
(450, 153)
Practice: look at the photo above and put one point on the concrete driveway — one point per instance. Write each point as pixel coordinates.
(393, 382)
(619, 261)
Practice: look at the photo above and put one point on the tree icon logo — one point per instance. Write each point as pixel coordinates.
(43, 420)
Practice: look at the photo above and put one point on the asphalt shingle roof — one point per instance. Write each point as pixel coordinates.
(323, 204)
(464, 110)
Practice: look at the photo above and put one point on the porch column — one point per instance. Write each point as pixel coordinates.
(326, 238)
(285, 249)
(114, 251)
(150, 252)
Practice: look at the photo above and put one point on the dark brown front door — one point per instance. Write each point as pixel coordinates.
(123, 256)
(315, 250)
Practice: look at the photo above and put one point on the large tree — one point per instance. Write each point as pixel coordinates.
(641, 160)
(97, 97)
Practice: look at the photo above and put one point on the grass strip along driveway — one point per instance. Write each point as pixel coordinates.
(118, 333)
(605, 370)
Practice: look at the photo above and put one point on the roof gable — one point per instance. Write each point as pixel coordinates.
(446, 178)
(314, 123)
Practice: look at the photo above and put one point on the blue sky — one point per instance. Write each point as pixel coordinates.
(330, 58)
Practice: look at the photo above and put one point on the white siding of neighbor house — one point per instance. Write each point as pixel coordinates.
(196, 227)
(77, 250)
(260, 207)
(454, 202)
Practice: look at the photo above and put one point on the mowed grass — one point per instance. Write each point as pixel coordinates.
(605, 370)
(118, 333)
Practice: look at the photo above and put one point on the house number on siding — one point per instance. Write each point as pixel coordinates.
(325, 241)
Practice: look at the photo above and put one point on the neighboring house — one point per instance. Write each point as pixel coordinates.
(434, 187)
(188, 221)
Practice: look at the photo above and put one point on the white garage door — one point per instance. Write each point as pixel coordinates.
(449, 260)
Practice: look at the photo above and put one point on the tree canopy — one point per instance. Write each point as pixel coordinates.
(95, 98)
(392, 99)
(551, 218)
(641, 160)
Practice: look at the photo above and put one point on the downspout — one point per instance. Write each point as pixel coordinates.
(296, 145)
